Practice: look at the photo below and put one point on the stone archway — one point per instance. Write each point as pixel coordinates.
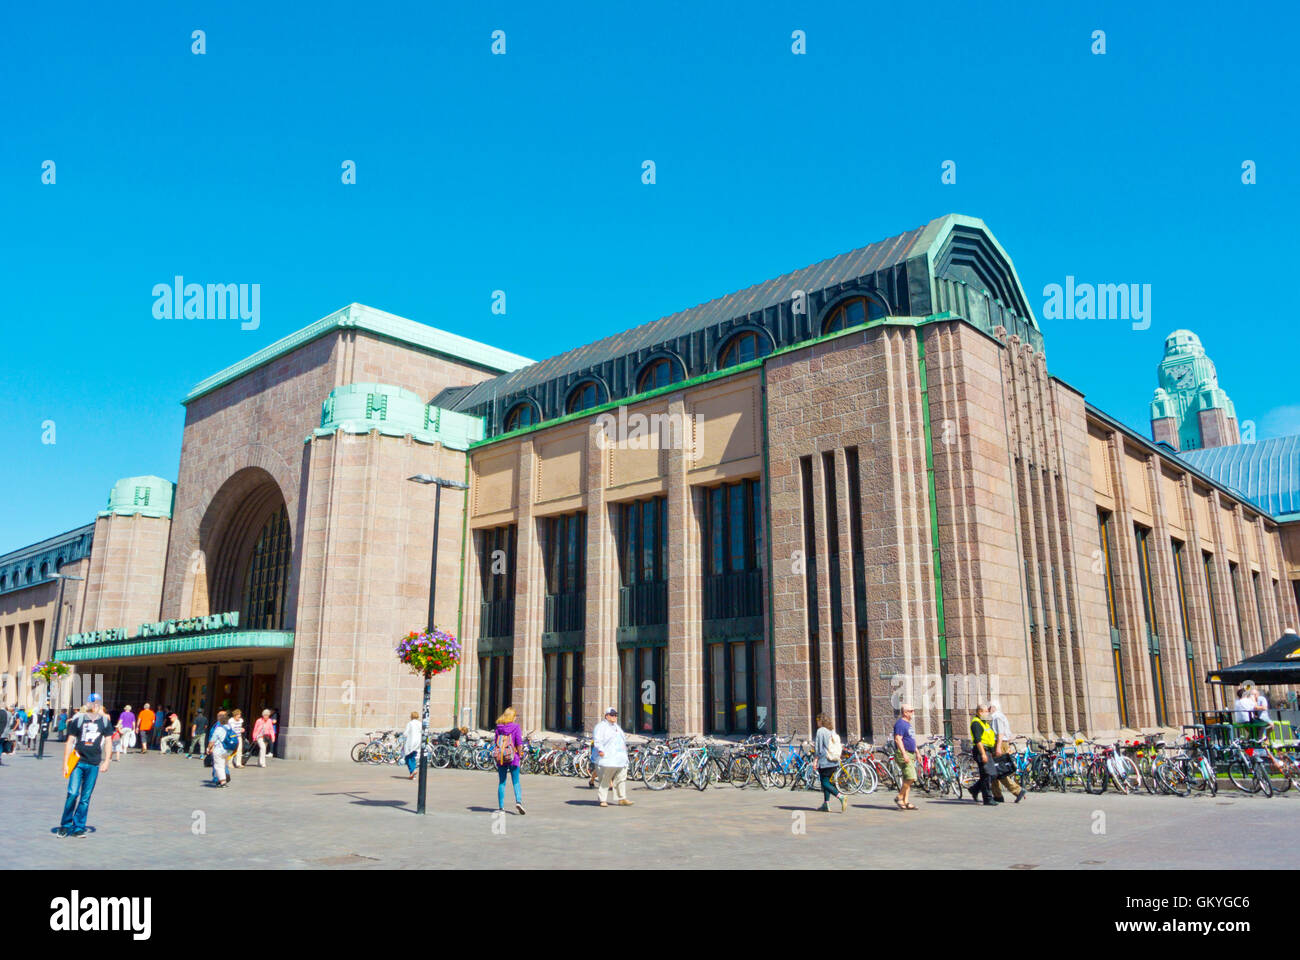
(246, 545)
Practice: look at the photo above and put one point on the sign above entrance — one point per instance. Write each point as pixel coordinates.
(163, 628)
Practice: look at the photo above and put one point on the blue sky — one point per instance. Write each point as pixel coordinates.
(522, 172)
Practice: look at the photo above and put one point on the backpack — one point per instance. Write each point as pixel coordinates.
(503, 750)
(834, 749)
(231, 743)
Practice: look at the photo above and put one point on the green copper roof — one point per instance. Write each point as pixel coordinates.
(356, 316)
(395, 412)
(273, 639)
(1188, 383)
(147, 496)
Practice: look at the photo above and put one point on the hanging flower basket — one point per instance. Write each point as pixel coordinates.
(433, 652)
(50, 669)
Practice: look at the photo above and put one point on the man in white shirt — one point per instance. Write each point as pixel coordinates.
(1002, 730)
(1243, 710)
(611, 754)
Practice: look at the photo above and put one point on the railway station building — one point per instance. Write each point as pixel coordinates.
(851, 485)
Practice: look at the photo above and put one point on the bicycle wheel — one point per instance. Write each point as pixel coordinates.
(654, 773)
(849, 777)
(1279, 775)
(1293, 771)
(1259, 772)
(373, 753)
(359, 752)
(1094, 780)
(739, 771)
(1242, 778)
(1133, 780)
(1173, 779)
(1197, 776)
(870, 782)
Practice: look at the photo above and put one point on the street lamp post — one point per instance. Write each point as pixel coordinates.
(48, 714)
(438, 483)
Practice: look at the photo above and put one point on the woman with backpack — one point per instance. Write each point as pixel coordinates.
(507, 749)
(829, 749)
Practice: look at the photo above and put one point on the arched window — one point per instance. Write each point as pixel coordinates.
(31, 574)
(850, 313)
(4, 580)
(268, 575)
(521, 415)
(45, 569)
(584, 396)
(743, 347)
(659, 373)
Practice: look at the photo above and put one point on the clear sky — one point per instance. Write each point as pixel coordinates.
(522, 173)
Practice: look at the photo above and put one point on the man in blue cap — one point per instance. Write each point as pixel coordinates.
(87, 733)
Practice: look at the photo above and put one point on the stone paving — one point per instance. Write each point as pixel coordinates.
(154, 812)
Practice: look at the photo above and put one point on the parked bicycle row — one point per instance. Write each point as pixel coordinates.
(770, 762)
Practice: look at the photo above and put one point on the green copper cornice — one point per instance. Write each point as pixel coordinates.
(359, 408)
(146, 496)
(356, 316)
(265, 639)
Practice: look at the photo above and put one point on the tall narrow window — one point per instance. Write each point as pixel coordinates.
(734, 662)
(859, 588)
(641, 530)
(810, 585)
(1208, 560)
(565, 545)
(1259, 610)
(833, 569)
(1112, 612)
(268, 575)
(1149, 611)
(1235, 576)
(1180, 582)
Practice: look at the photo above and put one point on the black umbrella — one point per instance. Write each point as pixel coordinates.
(1280, 663)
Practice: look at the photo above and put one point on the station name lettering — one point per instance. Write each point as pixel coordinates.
(162, 628)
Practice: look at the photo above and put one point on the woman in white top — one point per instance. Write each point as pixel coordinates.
(411, 743)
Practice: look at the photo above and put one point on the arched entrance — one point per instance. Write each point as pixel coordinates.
(248, 545)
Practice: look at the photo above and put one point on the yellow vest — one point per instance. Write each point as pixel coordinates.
(987, 736)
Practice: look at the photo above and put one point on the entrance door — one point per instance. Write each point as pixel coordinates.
(227, 697)
(198, 696)
(263, 695)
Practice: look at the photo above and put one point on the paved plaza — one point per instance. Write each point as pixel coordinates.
(157, 812)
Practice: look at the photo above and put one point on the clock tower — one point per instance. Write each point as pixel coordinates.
(1189, 411)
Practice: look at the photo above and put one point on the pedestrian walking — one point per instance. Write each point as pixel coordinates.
(88, 733)
(220, 749)
(6, 719)
(611, 751)
(829, 749)
(983, 740)
(1001, 748)
(411, 743)
(145, 722)
(237, 725)
(33, 731)
(198, 735)
(264, 733)
(126, 722)
(905, 756)
(61, 727)
(507, 751)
